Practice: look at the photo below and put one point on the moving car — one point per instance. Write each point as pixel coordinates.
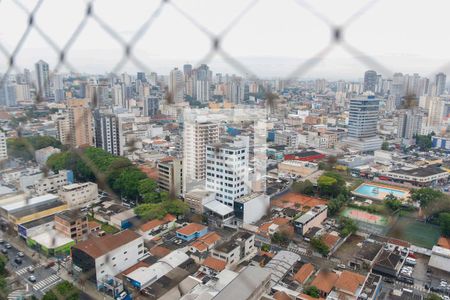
(30, 269)
(32, 278)
(18, 260)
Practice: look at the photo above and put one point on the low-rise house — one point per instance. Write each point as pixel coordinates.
(236, 249)
(79, 194)
(388, 263)
(191, 231)
(324, 282)
(304, 273)
(349, 285)
(205, 243)
(313, 218)
(212, 266)
(155, 228)
(73, 224)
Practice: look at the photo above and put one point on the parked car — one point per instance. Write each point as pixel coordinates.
(410, 261)
(7, 246)
(20, 254)
(2, 241)
(18, 260)
(341, 266)
(388, 279)
(4, 250)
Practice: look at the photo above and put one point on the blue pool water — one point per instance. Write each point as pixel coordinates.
(370, 191)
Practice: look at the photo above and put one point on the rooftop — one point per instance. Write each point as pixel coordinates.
(304, 273)
(52, 239)
(71, 215)
(99, 246)
(156, 222)
(227, 246)
(388, 259)
(38, 222)
(349, 281)
(280, 265)
(244, 285)
(312, 213)
(34, 208)
(325, 281)
(191, 229)
(214, 263)
(204, 242)
(420, 172)
(444, 242)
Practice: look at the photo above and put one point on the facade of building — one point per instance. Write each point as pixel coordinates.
(252, 207)
(227, 172)
(170, 176)
(54, 183)
(43, 154)
(104, 257)
(43, 79)
(197, 198)
(72, 224)
(313, 218)
(176, 85)
(3, 147)
(195, 138)
(79, 194)
(106, 126)
(191, 231)
(80, 120)
(362, 124)
(370, 81)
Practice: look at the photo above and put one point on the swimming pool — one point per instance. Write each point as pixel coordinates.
(378, 192)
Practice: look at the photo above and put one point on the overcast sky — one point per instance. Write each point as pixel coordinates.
(272, 39)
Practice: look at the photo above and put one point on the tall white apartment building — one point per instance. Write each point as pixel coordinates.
(195, 138)
(227, 171)
(3, 149)
(43, 79)
(79, 194)
(106, 127)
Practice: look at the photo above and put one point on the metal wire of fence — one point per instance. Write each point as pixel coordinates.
(337, 38)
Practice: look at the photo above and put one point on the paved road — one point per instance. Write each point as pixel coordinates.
(46, 278)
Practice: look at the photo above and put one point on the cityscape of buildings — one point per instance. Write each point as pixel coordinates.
(203, 185)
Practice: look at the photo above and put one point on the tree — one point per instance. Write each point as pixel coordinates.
(3, 261)
(150, 211)
(444, 222)
(385, 146)
(50, 295)
(319, 245)
(125, 183)
(24, 147)
(425, 196)
(392, 202)
(312, 291)
(303, 187)
(327, 185)
(175, 207)
(348, 226)
(433, 296)
(279, 238)
(424, 142)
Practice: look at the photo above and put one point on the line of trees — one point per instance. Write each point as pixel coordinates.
(24, 147)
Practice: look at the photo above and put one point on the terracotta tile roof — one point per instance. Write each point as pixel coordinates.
(281, 296)
(291, 199)
(304, 273)
(349, 281)
(444, 242)
(214, 263)
(330, 239)
(325, 281)
(167, 159)
(96, 247)
(159, 251)
(203, 243)
(278, 221)
(135, 267)
(151, 173)
(93, 224)
(191, 229)
(307, 297)
(156, 222)
(398, 242)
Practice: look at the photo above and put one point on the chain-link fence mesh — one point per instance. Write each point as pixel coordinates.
(62, 49)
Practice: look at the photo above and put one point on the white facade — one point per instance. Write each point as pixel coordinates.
(227, 172)
(252, 208)
(119, 259)
(52, 183)
(195, 138)
(43, 154)
(79, 194)
(3, 149)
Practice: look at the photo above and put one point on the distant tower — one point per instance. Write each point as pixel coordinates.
(43, 79)
(440, 83)
(176, 85)
(370, 81)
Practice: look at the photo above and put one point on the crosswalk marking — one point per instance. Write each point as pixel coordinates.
(47, 282)
(18, 294)
(24, 270)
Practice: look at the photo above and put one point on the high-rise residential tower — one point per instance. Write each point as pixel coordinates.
(176, 85)
(106, 126)
(370, 81)
(440, 80)
(43, 79)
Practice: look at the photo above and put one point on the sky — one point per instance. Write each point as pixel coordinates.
(271, 39)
